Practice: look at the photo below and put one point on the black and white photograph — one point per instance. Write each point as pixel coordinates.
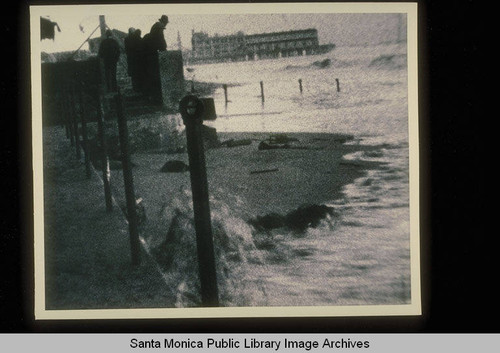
(225, 160)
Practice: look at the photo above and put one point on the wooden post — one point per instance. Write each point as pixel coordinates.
(106, 171)
(84, 131)
(66, 128)
(61, 112)
(262, 91)
(102, 25)
(64, 112)
(67, 116)
(225, 93)
(129, 182)
(191, 109)
(74, 120)
(338, 84)
(300, 85)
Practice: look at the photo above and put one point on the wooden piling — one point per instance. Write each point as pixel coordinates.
(128, 181)
(338, 84)
(67, 117)
(106, 171)
(74, 121)
(61, 111)
(300, 85)
(85, 141)
(262, 91)
(224, 86)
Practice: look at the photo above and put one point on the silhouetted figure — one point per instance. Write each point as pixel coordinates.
(129, 50)
(134, 51)
(109, 52)
(154, 41)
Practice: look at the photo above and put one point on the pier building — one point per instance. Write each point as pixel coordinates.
(241, 47)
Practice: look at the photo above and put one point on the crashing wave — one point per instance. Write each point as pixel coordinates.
(297, 221)
(394, 61)
(235, 254)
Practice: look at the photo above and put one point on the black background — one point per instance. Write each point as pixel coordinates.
(458, 273)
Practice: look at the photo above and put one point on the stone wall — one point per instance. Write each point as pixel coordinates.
(172, 77)
(62, 82)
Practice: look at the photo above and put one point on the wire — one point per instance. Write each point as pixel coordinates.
(86, 40)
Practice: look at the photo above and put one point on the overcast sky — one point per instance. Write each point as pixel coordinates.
(78, 22)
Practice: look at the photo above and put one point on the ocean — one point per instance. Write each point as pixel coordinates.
(362, 255)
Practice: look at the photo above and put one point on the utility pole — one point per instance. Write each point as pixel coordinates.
(191, 108)
(102, 25)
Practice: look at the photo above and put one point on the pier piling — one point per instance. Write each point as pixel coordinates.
(262, 91)
(224, 86)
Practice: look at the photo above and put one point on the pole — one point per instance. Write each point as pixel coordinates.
(300, 85)
(102, 25)
(85, 41)
(72, 102)
(338, 84)
(191, 110)
(225, 93)
(66, 113)
(106, 171)
(129, 182)
(84, 131)
(262, 91)
(61, 113)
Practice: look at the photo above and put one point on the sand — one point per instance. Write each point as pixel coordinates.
(87, 250)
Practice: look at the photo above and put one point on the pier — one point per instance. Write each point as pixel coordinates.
(241, 47)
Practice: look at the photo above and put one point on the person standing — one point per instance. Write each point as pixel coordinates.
(129, 50)
(156, 34)
(154, 42)
(133, 50)
(109, 52)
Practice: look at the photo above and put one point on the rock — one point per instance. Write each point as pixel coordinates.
(307, 216)
(297, 220)
(323, 63)
(174, 167)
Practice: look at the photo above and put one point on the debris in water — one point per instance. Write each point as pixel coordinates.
(264, 171)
